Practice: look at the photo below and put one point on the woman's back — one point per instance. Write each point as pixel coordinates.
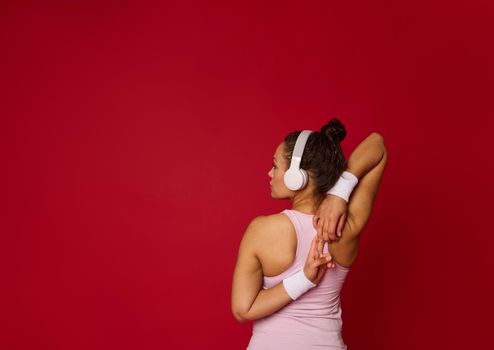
(314, 319)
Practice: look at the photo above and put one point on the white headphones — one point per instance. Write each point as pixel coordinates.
(296, 178)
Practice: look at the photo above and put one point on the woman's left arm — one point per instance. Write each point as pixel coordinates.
(249, 300)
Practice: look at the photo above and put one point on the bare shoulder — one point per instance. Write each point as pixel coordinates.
(268, 227)
(272, 239)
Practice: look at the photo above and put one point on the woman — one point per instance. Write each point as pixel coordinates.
(286, 279)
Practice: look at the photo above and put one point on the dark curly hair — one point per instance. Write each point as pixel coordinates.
(323, 158)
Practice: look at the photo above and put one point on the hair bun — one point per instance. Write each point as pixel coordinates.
(334, 129)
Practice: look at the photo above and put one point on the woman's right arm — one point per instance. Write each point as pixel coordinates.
(366, 155)
(367, 162)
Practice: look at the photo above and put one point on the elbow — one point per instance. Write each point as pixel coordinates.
(240, 316)
(378, 137)
(380, 140)
(240, 312)
(243, 313)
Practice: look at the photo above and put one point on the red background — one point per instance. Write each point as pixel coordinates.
(136, 139)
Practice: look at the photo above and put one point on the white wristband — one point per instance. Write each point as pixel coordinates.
(297, 284)
(344, 186)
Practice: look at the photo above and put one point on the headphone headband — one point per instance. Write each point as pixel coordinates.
(302, 138)
(296, 178)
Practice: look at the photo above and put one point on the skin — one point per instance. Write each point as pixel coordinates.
(330, 218)
(269, 243)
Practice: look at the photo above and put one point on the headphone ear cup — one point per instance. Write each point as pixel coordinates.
(294, 179)
(305, 178)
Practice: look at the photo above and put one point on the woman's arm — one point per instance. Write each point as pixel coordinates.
(330, 217)
(366, 155)
(249, 300)
(368, 162)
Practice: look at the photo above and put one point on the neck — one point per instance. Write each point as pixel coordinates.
(305, 203)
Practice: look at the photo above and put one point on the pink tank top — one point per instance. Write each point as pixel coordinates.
(313, 321)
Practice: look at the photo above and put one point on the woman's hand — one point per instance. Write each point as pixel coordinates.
(316, 263)
(330, 218)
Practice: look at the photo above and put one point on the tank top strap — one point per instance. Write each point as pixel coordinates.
(298, 230)
(305, 232)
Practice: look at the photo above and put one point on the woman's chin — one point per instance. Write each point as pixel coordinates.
(272, 194)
